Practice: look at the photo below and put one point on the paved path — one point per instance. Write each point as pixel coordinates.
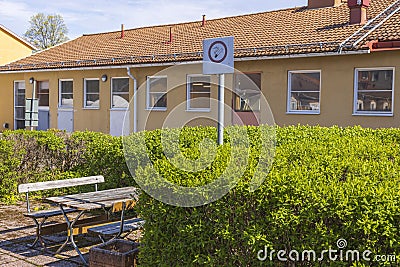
(16, 232)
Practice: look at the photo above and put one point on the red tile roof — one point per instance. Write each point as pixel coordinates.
(282, 32)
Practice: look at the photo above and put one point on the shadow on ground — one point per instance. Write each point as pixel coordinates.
(17, 232)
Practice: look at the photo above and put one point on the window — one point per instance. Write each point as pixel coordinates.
(304, 92)
(91, 93)
(66, 94)
(43, 93)
(247, 92)
(157, 93)
(373, 93)
(198, 93)
(119, 93)
(19, 105)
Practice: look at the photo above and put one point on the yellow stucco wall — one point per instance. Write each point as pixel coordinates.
(12, 49)
(337, 92)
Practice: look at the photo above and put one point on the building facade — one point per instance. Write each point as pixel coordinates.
(313, 67)
(12, 47)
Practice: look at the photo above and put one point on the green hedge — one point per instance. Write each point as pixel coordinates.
(325, 184)
(36, 156)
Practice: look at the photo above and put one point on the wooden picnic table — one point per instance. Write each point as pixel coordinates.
(84, 202)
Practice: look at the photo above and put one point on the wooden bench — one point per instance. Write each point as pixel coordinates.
(119, 229)
(43, 215)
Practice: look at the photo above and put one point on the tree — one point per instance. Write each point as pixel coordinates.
(46, 30)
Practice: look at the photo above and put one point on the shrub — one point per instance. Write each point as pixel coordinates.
(35, 156)
(325, 184)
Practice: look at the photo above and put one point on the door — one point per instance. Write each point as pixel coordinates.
(65, 118)
(246, 99)
(119, 123)
(42, 93)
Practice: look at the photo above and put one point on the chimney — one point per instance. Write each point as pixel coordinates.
(323, 3)
(170, 35)
(122, 31)
(204, 21)
(358, 11)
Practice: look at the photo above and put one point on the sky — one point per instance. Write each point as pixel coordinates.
(94, 16)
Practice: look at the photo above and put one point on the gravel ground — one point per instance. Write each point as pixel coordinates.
(17, 231)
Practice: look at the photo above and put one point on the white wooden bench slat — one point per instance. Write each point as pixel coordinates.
(31, 187)
(48, 213)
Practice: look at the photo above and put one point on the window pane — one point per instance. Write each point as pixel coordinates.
(20, 87)
(158, 84)
(157, 87)
(375, 80)
(120, 101)
(120, 85)
(158, 100)
(20, 113)
(304, 101)
(43, 100)
(92, 89)
(374, 101)
(67, 100)
(20, 124)
(305, 81)
(66, 87)
(199, 92)
(67, 97)
(247, 92)
(92, 100)
(304, 91)
(20, 100)
(19, 109)
(43, 93)
(92, 86)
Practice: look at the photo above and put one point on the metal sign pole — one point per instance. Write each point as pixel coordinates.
(221, 108)
(32, 108)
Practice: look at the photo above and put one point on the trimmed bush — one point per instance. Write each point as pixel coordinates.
(35, 156)
(326, 184)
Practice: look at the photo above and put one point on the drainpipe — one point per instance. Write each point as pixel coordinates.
(135, 107)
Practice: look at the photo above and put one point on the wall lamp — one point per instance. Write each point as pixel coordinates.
(31, 80)
(104, 78)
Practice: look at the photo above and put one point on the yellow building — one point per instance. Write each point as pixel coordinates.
(12, 47)
(329, 63)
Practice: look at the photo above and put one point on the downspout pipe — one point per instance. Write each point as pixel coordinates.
(135, 107)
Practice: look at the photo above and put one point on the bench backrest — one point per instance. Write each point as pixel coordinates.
(31, 187)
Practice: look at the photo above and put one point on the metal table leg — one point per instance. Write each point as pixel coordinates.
(70, 234)
(39, 237)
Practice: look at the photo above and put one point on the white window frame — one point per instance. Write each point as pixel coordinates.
(15, 101)
(60, 94)
(355, 100)
(112, 93)
(188, 82)
(148, 106)
(85, 93)
(289, 99)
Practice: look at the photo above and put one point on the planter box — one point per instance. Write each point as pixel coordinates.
(116, 253)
